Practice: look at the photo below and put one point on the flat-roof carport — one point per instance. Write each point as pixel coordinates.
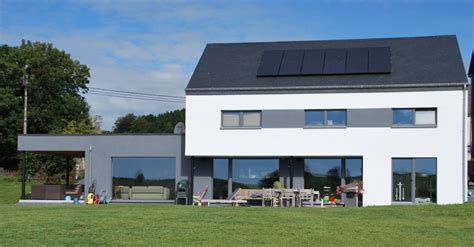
(98, 151)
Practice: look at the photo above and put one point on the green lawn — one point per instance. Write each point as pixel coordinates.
(171, 225)
(10, 190)
(180, 225)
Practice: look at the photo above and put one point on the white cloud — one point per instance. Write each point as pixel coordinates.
(170, 79)
(145, 46)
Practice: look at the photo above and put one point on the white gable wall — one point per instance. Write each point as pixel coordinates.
(377, 146)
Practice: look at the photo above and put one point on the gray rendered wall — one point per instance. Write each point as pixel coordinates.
(284, 170)
(369, 117)
(203, 176)
(381, 117)
(99, 150)
(298, 173)
(282, 118)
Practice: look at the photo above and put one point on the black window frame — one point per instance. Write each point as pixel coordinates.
(325, 121)
(414, 124)
(241, 119)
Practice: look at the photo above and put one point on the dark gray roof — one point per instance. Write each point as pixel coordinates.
(471, 66)
(433, 61)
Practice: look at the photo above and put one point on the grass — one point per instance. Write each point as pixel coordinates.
(10, 190)
(180, 225)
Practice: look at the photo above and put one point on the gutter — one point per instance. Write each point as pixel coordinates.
(385, 86)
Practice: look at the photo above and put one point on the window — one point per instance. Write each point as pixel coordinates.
(244, 174)
(325, 174)
(414, 117)
(144, 178)
(230, 119)
(251, 119)
(254, 173)
(414, 180)
(336, 118)
(425, 117)
(241, 119)
(325, 118)
(314, 118)
(220, 175)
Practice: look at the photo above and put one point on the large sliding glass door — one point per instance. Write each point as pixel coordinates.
(326, 174)
(220, 175)
(402, 180)
(254, 173)
(244, 174)
(143, 178)
(323, 175)
(414, 180)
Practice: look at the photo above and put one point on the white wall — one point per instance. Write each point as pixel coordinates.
(377, 145)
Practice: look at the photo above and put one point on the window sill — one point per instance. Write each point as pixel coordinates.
(414, 126)
(411, 203)
(240, 128)
(324, 127)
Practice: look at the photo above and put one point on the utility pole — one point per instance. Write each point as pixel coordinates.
(25, 110)
(25, 104)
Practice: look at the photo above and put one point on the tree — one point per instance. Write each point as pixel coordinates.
(55, 81)
(124, 124)
(9, 124)
(162, 123)
(84, 126)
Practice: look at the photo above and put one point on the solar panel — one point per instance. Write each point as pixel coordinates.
(270, 63)
(369, 60)
(357, 61)
(313, 62)
(291, 63)
(335, 61)
(380, 60)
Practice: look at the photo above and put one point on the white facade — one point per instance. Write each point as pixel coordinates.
(377, 146)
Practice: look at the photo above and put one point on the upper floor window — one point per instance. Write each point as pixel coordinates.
(241, 119)
(414, 117)
(324, 118)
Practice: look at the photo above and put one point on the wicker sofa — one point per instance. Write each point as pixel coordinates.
(47, 192)
(142, 193)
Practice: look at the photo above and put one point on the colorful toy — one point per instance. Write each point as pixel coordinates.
(90, 198)
(197, 199)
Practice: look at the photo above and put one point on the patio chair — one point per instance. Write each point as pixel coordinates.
(306, 195)
(287, 195)
(316, 194)
(268, 195)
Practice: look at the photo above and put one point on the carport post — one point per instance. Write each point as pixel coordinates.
(23, 176)
(68, 159)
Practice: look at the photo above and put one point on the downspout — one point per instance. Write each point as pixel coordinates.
(464, 162)
(191, 180)
(90, 167)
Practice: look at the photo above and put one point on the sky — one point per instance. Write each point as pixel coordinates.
(153, 46)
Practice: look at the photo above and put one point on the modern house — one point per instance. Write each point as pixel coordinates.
(390, 114)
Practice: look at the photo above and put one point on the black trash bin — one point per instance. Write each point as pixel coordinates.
(182, 192)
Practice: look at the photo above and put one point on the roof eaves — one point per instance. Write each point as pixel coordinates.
(430, 85)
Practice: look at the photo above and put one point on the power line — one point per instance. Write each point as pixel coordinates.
(136, 93)
(137, 97)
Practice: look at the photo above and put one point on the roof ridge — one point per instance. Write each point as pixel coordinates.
(332, 40)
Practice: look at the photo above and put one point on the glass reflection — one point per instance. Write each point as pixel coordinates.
(129, 172)
(254, 173)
